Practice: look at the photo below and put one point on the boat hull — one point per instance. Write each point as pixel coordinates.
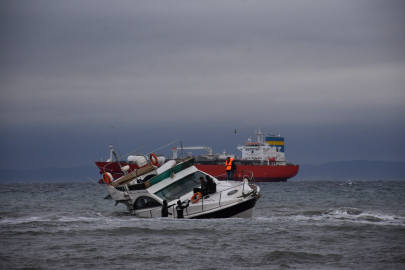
(239, 210)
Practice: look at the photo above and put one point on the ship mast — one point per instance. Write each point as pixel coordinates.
(259, 135)
(111, 153)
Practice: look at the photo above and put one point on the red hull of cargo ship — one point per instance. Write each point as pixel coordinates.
(113, 168)
(261, 173)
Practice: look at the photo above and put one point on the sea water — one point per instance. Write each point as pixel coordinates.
(296, 225)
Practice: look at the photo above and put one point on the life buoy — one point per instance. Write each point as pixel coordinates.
(153, 159)
(196, 197)
(107, 177)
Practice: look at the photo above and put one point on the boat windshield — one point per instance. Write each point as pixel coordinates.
(181, 187)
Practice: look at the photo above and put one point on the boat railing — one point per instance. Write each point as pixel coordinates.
(121, 158)
(202, 201)
(238, 176)
(220, 197)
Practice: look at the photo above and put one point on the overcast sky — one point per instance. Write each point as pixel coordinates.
(75, 76)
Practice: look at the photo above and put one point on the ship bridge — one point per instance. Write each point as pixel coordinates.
(271, 150)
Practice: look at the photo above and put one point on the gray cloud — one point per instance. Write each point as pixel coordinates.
(204, 67)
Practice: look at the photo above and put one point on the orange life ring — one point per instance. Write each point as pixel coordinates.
(195, 197)
(107, 177)
(153, 159)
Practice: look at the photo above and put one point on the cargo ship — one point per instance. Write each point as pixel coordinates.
(264, 158)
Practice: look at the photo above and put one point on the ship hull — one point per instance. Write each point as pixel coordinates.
(261, 173)
(113, 168)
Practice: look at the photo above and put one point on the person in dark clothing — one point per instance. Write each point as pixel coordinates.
(203, 187)
(211, 185)
(165, 209)
(180, 207)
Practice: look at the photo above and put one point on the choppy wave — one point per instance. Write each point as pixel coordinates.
(295, 225)
(340, 215)
(354, 214)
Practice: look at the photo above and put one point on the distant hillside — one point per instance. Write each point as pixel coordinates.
(345, 170)
(353, 170)
(50, 175)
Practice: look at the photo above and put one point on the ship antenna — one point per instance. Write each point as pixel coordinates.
(259, 135)
(117, 146)
(116, 143)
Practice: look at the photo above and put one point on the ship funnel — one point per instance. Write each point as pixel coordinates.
(259, 135)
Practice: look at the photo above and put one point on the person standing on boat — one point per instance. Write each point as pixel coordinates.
(180, 207)
(165, 209)
(230, 168)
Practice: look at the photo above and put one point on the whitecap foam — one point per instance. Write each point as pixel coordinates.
(356, 215)
(343, 214)
(14, 221)
(75, 219)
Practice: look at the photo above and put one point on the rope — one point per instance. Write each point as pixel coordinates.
(96, 183)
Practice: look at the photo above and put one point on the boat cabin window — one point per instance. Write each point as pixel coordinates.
(145, 202)
(181, 187)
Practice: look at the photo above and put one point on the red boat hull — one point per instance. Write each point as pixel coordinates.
(261, 173)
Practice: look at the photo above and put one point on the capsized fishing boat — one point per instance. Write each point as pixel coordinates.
(144, 190)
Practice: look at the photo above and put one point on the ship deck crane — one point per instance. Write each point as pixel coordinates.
(175, 149)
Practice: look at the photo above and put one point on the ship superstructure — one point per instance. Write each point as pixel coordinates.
(270, 151)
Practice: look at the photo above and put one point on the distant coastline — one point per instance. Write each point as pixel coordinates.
(353, 170)
(341, 171)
